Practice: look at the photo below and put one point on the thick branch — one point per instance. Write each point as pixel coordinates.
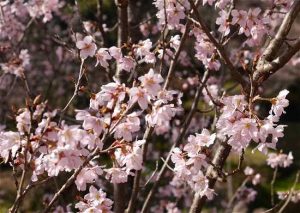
(268, 64)
(120, 189)
(221, 155)
(122, 21)
(270, 52)
(100, 21)
(265, 69)
(122, 33)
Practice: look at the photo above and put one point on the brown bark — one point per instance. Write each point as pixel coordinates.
(219, 160)
(123, 33)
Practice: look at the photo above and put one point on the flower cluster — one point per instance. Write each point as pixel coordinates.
(95, 201)
(141, 51)
(44, 8)
(255, 178)
(295, 197)
(217, 3)
(190, 161)
(241, 125)
(246, 194)
(172, 12)
(280, 160)
(17, 65)
(205, 51)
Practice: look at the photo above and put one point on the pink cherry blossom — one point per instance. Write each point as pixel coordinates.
(87, 175)
(222, 22)
(280, 160)
(134, 159)
(210, 2)
(126, 63)
(248, 171)
(10, 142)
(151, 82)
(140, 96)
(87, 47)
(279, 103)
(239, 17)
(102, 57)
(128, 127)
(116, 175)
(110, 95)
(95, 201)
(115, 52)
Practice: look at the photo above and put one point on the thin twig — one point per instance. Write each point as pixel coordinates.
(76, 87)
(241, 159)
(231, 202)
(179, 139)
(290, 194)
(272, 185)
(153, 173)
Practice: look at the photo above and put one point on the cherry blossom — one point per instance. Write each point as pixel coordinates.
(295, 196)
(222, 21)
(134, 159)
(279, 103)
(239, 17)
(111, 129)
(151, 82)
(139, 95)
(246, 194)
(87, 175)
(87, 47)
(280, 160)
(128, 127)
(95, 201)
(43, 8)
(126, 63)
(10, 142)
(115, 52)
(18, 65)
(110, 95)
(116, 175)
(174, 10)
(102, 57)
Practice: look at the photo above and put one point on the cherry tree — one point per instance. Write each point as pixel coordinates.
(141, 112)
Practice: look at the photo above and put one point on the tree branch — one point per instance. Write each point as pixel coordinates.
(265, 69)
(221, 155)
(270, 52)
(123, 32)
(181, 135)
(136, 182)
(200, 23)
